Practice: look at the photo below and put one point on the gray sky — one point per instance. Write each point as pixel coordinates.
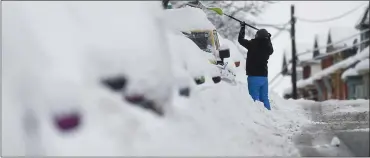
(305, 32)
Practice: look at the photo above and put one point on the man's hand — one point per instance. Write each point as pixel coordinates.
(242, 24)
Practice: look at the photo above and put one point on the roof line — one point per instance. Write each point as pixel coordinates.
(340, 41)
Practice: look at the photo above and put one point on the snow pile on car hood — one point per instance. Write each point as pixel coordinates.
(194, 60)
(187, 19)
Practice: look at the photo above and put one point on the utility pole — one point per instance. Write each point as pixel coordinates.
(294, 53)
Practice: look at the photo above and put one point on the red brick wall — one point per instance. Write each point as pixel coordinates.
(326, 62)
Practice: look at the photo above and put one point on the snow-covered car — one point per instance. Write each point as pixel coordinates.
(190, 64)
(78, 77)
(194, 25)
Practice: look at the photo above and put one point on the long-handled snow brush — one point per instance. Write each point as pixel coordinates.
(220, 12)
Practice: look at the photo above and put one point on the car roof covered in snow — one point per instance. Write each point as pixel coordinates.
(188, 18)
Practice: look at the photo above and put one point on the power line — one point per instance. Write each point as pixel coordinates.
(330, 53)
(330, 19)
(281, 30)
(276, 26)
(278, 81)
(340, 50)
(275, 77)
(340, 41)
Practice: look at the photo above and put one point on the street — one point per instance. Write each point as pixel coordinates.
(316, 140)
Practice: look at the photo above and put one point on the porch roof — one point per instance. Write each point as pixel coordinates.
(340, 65)
(362, 65)
(349, 72)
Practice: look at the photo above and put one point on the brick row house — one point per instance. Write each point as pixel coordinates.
(341, 72)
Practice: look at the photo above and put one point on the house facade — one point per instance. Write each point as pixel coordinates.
(357, 76)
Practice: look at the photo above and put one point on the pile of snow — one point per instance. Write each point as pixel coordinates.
(54, 61)
(345, 106)
(191, 19)
(235, 54)
(300, 84)
(55, 56)
(362, 65)
(194, 60)
(348, 73)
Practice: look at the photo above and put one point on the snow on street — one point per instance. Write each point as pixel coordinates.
(58, 58)
(338, 128)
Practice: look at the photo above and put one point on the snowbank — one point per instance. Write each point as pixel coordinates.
(194, 59)
(53, 66)
(191, 19)
(345, 106)
(71, 48)
(337, 106)
(248, 128)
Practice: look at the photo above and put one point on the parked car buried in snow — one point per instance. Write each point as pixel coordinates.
(195, 26)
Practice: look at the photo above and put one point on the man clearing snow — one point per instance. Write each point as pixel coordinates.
(259, 51)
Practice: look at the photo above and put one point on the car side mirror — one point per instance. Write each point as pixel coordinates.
(224, 53)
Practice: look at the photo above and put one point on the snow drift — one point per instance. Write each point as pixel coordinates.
(55, 56)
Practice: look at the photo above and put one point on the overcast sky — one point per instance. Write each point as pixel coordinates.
(305, 32)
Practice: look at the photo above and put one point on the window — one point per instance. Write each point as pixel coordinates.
(359, 91)
(201, 39)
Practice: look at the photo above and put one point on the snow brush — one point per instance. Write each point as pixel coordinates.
(220, 12)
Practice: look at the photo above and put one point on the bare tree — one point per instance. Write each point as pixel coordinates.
(247, 11)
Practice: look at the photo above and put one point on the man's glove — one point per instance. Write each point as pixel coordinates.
(242, 24)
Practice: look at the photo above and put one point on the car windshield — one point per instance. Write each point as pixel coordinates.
(201, 39)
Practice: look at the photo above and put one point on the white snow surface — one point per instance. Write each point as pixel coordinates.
(345, 106)
(362, 65)
(349, 72)
(191, 19)
(195, 60)
(55, 55)
(235, 55)
(335, 141)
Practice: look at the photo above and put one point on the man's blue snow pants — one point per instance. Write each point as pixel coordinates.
(258, 89)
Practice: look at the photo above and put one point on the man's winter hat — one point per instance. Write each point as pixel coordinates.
(262, 33)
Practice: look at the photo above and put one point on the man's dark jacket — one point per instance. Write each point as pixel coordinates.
(259, 51)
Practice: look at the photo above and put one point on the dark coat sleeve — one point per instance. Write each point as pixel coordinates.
(245, 43)
(270, 48)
